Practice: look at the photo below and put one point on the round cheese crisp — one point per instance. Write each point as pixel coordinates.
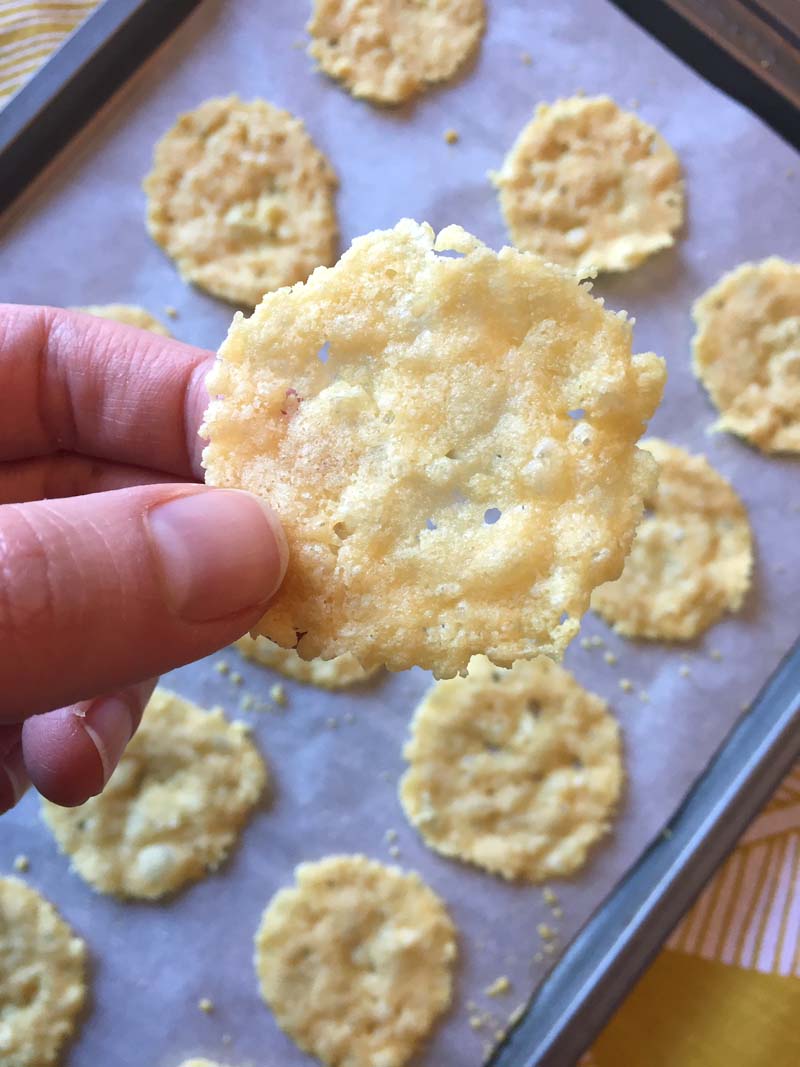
(130, 314)
(747, 352)
(518, 771)
(692, 556)
(42, 978)
(356, 961)
(242, 199)
(388, 50)
(336, 673)
(172, 809)
(449, 443)
(590, 186)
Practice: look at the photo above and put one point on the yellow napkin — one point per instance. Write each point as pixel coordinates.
(725, 990)
(30, 33)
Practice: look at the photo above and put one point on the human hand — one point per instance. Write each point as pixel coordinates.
(115, 564)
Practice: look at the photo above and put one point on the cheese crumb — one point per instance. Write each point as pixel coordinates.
(610, 658)
(236, 678)
(451, 136)
(170, 311)
(626, 685)
(205, 1005)
(684, 671)
(390, 836)
(22, 863)
(278, 694)
(547, 933)
(222, 666)
(527, 59)
(498, 987)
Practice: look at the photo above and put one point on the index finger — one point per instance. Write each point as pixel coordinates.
(73, 382)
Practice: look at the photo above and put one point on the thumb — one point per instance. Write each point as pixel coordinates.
(102, 591)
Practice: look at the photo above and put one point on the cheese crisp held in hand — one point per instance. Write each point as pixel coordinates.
(692, 556)
(172, 809)
(336, 673)
(129, 314)
(387, 51)
(242, 199)
(518, 771)
(356, 961)
(589, 186)
(450, 443)
(42, 978)
(747, 352)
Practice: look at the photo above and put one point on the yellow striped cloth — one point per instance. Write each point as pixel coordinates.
(30, 32)
(725, 990)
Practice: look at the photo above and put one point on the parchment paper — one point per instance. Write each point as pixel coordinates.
(78, 238)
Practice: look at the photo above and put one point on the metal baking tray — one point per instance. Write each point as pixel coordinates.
(603, 961)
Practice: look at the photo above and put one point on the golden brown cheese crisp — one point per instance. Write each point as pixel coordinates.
(173, 808)
(356, 961)
(691, 559)
(42, 978)
(336, 673)
(242, 199)
(388, 50)
(450, 443)
(518, 771)
(591, 186)
(130, 314)
(747, 352)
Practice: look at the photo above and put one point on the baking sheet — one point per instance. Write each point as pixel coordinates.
(77, 237)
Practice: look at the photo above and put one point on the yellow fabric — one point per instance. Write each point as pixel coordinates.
(725, 991)
(30, 32)
(691, 1012)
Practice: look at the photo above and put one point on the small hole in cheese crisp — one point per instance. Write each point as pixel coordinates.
(491, 516)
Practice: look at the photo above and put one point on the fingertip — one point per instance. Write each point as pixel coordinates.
(220, 554)
(71, 753)
(61, 760)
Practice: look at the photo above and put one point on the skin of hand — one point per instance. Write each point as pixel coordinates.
(116, 562)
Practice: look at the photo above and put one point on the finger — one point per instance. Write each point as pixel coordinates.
(76, 383)
(71, 753)
(64, 474)
(13, 779)
(100, 591)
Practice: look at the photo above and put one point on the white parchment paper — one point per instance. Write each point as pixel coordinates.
(77, 237)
